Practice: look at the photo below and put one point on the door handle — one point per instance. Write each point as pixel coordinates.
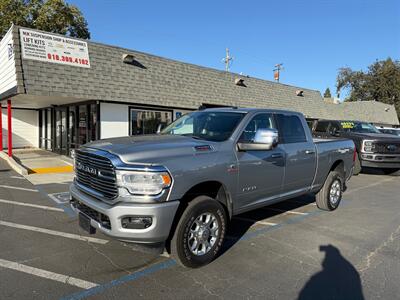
(309, 152)
(276, 155)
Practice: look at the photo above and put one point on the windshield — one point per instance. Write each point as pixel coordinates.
(359, 127)
(207, 125)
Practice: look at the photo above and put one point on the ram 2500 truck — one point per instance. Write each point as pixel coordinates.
(181, 187)
(374, 148)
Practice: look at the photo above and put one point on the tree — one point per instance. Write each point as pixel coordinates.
(327, 93)
(381, 82)
(48, 15)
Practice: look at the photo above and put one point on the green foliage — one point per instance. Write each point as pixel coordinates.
(327, 93)
(381, 82)
(48, 15)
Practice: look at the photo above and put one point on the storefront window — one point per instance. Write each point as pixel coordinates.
(93, 122)
(147, 121)
(82, 124)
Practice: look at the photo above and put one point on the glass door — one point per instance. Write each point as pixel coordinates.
(61, 128)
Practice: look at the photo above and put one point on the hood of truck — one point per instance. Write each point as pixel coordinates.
(381, 137)
(153, 149)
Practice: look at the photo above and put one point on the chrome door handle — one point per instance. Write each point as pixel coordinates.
(343, 150)
(277, 155)
(309, 152)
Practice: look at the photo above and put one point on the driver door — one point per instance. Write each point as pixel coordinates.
(261, 172)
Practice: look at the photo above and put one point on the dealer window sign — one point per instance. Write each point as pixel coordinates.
(55, 49)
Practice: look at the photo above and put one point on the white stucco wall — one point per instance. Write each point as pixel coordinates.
(8, 76)
(114, 120)
(25, 128)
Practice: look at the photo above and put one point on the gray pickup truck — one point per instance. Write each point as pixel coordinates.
(179, 188)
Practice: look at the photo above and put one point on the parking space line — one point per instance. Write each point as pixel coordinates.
(18, 188)
(124, 279)
(31, 205)
(293, 212)
(47, 274)
(56, 233)
(254, 221)
(17, 177)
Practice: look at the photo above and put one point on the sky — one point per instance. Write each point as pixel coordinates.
(312, 38)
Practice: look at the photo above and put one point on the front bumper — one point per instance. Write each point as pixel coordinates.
(376, 160)
(162, 214)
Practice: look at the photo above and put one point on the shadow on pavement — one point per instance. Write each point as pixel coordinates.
(238, 227)
(377, 171)
(337, 280)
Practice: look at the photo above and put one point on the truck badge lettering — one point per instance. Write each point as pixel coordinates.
(87, 169)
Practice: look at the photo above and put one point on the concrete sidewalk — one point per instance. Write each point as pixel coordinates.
(38, 161)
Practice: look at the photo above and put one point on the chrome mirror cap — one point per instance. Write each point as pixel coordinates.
(264, 139)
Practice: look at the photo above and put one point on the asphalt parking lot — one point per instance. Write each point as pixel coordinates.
(287, 251)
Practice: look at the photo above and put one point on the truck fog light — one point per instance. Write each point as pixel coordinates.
(133, 222)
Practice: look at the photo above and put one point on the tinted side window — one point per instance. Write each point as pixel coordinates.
(260, 121)
(291, 129)
(322, 126)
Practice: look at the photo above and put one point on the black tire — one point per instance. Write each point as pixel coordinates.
(323, 198)
(357, 166)
(180, 250)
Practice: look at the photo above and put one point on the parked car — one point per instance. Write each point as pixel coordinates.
(374, 148)
(389, 130)
(181, 187)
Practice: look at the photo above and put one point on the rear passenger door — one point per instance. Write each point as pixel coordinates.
(300, 153)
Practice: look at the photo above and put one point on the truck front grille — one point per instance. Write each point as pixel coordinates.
(96, 173)
(387, 148)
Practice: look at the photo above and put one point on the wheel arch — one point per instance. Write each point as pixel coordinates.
(211, 188)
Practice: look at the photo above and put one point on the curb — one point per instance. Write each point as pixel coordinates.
(13, 164)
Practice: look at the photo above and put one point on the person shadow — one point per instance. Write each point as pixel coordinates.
(337, 280)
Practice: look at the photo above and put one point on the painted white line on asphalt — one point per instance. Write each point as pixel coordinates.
(255, 221)
(53, 232)
(370, 185)
(293, 212)
(18, 188)
(17, 177)
(31, 205)
(47, 274)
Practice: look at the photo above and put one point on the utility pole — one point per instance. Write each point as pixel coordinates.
(227, 60)
(277, 70)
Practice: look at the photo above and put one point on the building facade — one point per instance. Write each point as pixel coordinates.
(63, 92)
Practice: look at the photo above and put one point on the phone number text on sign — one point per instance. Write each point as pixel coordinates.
(70, 59)
(52, 48)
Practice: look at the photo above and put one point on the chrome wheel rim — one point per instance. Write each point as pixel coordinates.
(203, 234)
(335, 192)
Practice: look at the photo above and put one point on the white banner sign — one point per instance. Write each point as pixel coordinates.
(53, 48)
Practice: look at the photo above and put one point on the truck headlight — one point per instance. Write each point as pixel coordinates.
(143, 183)
(368, 146)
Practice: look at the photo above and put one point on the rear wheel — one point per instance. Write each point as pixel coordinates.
(329, 197)
(200, 232)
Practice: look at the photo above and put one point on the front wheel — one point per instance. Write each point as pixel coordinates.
(329, 197)
(200, 232)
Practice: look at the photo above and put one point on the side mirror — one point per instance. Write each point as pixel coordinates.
(264, 139)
